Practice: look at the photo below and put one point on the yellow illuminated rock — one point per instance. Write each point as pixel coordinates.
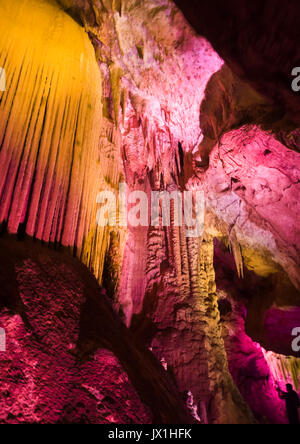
(50, 127)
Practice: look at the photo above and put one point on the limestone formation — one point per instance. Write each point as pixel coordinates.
(110, 95)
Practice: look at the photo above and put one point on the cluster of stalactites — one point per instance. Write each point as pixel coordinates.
(285, 369)
(52, 165)
(148, 144)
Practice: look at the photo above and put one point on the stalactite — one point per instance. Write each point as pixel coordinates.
(124, 100)
(285, 369)
(238, 256)
(117, 6)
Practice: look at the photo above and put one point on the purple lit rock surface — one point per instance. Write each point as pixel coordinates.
(164, 98)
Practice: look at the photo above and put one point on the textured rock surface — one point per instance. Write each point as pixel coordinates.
(65, 360)
(252, 186)
(134, 117)
(186, 331)
(254, 370)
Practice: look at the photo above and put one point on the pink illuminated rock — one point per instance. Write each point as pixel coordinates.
(65, 361)
(253, 187)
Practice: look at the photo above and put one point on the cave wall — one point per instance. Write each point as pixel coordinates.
(69, 358)
(259, 43)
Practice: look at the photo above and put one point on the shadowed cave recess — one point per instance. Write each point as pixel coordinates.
(121, 323)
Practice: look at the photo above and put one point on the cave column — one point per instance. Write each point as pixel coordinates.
(189, 334)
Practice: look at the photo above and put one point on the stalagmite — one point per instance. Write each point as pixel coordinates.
(115, 81)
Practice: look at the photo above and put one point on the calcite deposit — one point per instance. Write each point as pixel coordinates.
(143, 323)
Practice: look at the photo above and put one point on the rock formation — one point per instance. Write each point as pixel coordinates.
(110, 95)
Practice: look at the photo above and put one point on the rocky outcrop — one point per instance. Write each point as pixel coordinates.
(186, 332)
(230, 103)
(255, 371)
(69, 359)
(120, 102)
(252, 188)
(258, 42)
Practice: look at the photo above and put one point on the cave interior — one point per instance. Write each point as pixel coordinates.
(130, 321)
